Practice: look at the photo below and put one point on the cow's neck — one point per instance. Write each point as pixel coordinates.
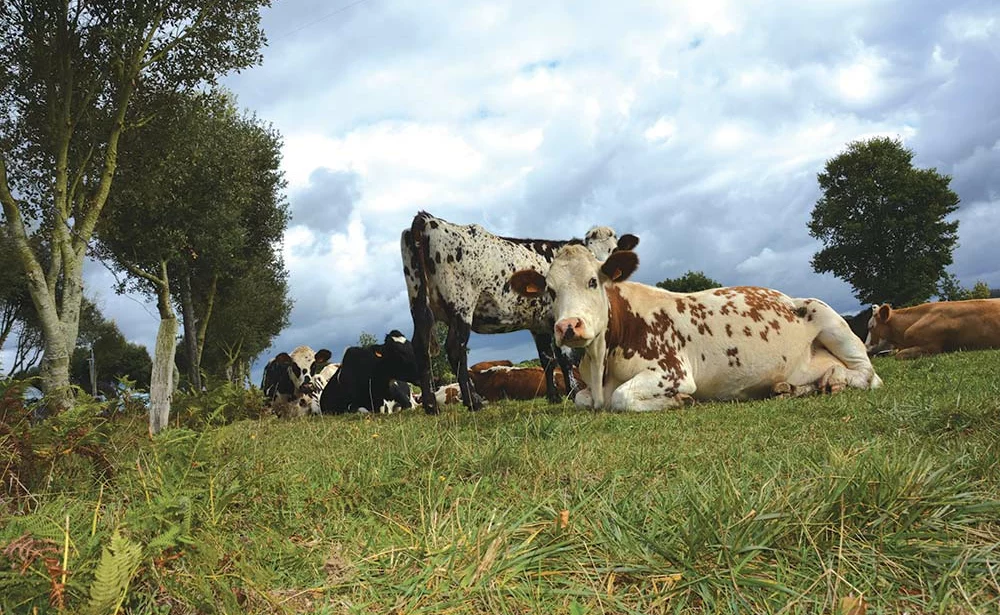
(900, 321)
(623, 323)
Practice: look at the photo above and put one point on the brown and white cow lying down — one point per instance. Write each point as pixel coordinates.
(931, 328)
(496, 380)
(650, 349)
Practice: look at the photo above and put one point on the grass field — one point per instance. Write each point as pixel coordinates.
(879, 502)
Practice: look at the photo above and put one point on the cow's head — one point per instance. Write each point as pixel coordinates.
(577, 285)
(396, 358)
(602, 241)
(878, 329)
(299, 363)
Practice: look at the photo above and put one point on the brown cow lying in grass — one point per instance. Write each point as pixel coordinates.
(931, 328)
(496, 380)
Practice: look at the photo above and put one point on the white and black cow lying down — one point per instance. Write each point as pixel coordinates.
(650, 349)
(458, 274)
(292, 381)
(364, 381)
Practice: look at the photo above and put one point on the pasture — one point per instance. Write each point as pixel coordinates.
(884, 501)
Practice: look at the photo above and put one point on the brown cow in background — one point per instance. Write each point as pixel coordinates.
(496, 380)
(506, 382)
(931, 328)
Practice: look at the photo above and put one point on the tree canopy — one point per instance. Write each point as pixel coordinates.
(690, 282)
(883, 223)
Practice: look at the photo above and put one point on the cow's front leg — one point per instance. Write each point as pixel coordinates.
(592, 370)
(916, 351)
(652, 390)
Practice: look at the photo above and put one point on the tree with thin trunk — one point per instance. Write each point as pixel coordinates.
(69, 73)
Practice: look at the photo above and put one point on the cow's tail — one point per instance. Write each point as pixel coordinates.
(420, 306)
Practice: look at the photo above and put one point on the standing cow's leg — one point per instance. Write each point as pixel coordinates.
(423, 328)
(543, 344)
(566, 365)
(458, 356)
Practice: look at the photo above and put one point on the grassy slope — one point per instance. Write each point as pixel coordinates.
(776, 506)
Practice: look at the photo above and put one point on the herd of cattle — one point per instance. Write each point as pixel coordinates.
(644, 348)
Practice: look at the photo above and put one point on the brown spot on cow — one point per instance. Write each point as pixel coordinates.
(760, 301)
(729, 330)
(734, 357)
(633, 334)
(763, 333)
(680, 306)
(747, 331)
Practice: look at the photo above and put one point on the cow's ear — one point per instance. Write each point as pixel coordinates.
(528, 283)
(620, 265)
(884, 313)
(283, 358)
(323, 355)
(627, 241)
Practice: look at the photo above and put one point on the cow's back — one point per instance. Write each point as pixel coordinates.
(467, 269)
(957, 325)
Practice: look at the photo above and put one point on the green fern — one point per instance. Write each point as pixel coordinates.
(118, 565)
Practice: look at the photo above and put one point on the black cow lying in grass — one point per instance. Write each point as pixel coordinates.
(363, 381)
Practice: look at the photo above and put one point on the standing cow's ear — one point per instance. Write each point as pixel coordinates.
(528, 283)
(884, 313)
(323, 355)
(627, 241)
(620, 265)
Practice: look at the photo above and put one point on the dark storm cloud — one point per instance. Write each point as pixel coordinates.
(325, 204)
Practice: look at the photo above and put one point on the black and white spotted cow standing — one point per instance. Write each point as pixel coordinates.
(459, 274)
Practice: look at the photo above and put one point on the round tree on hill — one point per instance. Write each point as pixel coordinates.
(883, 223)
(690, 282)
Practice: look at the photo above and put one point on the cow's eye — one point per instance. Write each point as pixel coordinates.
(592, 283)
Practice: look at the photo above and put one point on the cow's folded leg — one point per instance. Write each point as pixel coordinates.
(652, 391)
(787, 390)
(915, 351)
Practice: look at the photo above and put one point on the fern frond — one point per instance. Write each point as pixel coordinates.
(118, 565)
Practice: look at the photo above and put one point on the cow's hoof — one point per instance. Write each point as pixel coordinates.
(684, 399)
(783, 389)
(430, 410)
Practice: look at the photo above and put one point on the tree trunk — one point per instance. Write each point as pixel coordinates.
(203, 322)
(190, 333)
(161, 381)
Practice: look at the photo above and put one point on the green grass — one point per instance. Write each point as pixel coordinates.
(779, 506)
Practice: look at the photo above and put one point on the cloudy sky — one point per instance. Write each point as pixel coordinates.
(698, 125)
